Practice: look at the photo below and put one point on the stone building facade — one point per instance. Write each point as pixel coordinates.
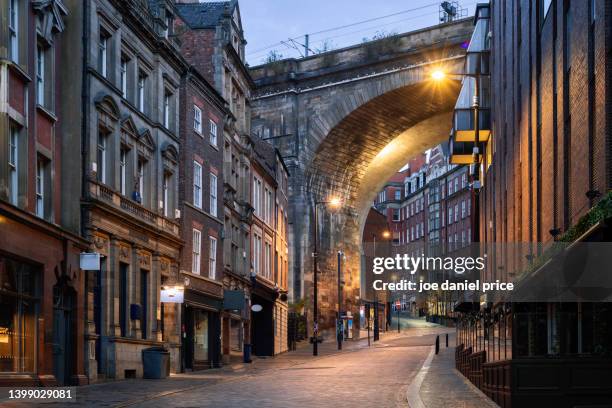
(41, 285)
(129, 79)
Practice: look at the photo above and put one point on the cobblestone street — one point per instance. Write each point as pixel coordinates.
(359, 375)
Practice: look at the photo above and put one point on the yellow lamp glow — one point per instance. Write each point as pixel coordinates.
(438, 75)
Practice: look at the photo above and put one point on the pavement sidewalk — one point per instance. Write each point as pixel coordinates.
(125, 393)
(439, 384)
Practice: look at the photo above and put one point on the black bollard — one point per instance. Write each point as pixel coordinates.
(446, 340)
(437, 344)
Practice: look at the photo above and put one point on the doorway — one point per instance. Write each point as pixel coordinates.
(63, 332)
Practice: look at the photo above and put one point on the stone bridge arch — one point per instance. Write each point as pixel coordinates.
(344, 122)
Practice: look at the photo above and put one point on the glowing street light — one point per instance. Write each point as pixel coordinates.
(438, 75)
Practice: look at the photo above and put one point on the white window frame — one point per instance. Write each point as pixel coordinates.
(197, 184)
(40, 189)
(13, 162)
(166, 192)
(123, 77)
(450, 215)
(167, 97)
(197, 119)
(123, 154)
(212, 258)
(40, 75)
(196, 251)
(103, 54)
(213, 132)
(213, 194)
(457, 212)
(14, 30)
(102, 146)
(141, 176)
(142, 83)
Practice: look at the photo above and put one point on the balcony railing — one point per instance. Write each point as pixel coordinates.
(110, 196)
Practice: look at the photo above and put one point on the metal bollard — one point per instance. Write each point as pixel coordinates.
(437, 344)
(446, 340)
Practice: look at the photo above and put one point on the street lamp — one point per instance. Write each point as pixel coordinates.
(386, 235)
(333, 202)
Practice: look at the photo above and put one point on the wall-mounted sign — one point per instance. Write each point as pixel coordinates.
(172, 294)
(90, 261)
(256, 308)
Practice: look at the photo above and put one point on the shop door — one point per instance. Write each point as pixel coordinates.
(63, 301)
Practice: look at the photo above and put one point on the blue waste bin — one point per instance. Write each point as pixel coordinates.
(247, 353)
(155, 363)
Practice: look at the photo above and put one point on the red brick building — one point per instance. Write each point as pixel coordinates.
(201, 205)
(41, 285)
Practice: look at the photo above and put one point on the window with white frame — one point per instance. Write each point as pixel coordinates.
(268, 260)
(40, 75)
(167, 183)
(257, 196)
(196, 255)
(103, 53)
(13, 163)
(123, 162)
(167, 101)
(213, 133)
(212, 258)
(213, 194)
(396, 214)
(257, 254)
(101, 165)
(142, 84)
(456, 213)
(142, 168)
(197, 184)
(40, 188)
(124, 76)
(197, 119)
(450, 215)
(462, 209)
(14, 30)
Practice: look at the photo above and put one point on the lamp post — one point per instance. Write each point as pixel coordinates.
(334, 202)
(339, 323)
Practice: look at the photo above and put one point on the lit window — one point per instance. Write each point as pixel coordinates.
(213, 194)
(213, 133)
(197, 184)
(196, 251)
(197, 119)
(212, 258)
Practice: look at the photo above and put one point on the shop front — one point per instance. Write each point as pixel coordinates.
(262, 319)
(41, 325)
(201, 329)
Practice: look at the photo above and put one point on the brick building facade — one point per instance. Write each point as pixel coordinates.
(546, 176)
(200, 199)
(41, 285)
